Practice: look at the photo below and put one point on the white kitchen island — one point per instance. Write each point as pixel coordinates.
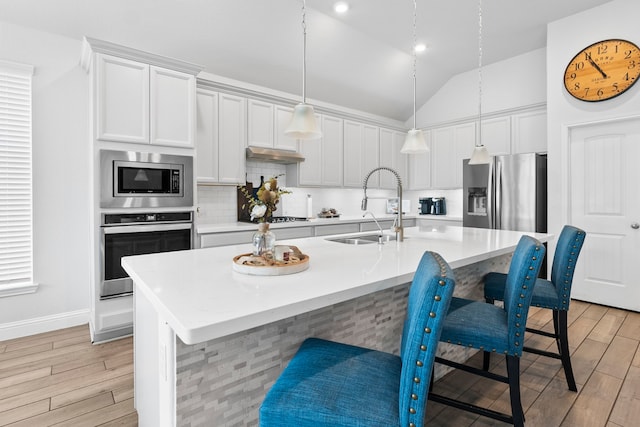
(209, 341)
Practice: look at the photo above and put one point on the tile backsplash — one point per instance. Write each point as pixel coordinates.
(217, 204)
(257, 169)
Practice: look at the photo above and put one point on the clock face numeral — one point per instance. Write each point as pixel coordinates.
(603, 70)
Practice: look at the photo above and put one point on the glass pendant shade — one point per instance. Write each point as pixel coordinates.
(303, 123)
(414, 143)
(480, 156)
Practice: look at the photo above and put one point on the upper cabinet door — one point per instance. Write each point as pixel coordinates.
(260, 119)
(391, 142)
(232, 138)
(172, 105)
(361, 153)
(496, 135)
(530, 132)
(282, 120)
(420, 167)
(207, 136)
(332, 143)
(353, 154)
(451, 144)
(122, 100)
(370, 154)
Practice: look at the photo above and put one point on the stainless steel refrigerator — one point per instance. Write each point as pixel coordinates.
(510, 193)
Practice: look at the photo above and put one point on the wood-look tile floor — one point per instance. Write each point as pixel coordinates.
(60, 378)
(606, 365)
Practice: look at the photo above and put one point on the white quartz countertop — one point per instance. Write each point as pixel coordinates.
(202, 298)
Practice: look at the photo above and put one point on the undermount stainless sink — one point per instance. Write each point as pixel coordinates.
(363, 240)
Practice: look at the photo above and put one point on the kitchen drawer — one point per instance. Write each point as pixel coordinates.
(408, 222)
(224, 239)
(386, 224)
(371, 225)
(326, 230)
(434, 222)
(292, 233)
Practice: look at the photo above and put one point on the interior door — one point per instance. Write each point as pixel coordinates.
(604, 201)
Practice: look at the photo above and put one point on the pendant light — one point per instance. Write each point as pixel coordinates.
(415, 142)
(303, 122)
(480, 155)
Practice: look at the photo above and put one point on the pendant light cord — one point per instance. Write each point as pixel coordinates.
(415, 41)
(479, 144)
(304, 52)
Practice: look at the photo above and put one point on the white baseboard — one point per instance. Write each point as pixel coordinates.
(39, 325)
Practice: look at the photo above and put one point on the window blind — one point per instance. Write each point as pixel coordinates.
(16, 259)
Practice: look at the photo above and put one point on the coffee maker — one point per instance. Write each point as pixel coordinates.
(432, 206)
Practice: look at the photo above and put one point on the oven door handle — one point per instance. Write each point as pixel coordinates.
(145, 228)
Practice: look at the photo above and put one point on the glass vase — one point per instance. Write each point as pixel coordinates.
(264, 241)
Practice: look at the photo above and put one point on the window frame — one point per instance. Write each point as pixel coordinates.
(16, 179)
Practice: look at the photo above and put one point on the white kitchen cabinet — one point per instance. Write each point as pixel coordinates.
(328, 230)
(210, 240)
(435, 222)
(420, 167)
(292, 233)
(530, 132)
(220, 138)
(451, 145)
(372, 226)
(266, 124)
(361, 153)
(371, 154)
(260, 118)
(122, 99)
(172, 100)
(232, 137)
(309, 172)
(207, 136)
(386, 224)
(141, 103)
(322, 166)
(282, 119)
(496, 135)
(391, 142)
(332, 151)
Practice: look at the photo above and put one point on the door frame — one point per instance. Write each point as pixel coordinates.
(565, 174)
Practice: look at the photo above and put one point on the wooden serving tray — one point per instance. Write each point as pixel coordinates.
(258, 266)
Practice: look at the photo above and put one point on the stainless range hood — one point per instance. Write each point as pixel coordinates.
(273, 155)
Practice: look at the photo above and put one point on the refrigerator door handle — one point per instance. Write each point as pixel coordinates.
(497, 221)
(490, 195)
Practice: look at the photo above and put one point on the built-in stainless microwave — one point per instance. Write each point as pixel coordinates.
(130, 179)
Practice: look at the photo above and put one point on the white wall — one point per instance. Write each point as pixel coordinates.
(61, 184)
(513, 83)
(566, 37)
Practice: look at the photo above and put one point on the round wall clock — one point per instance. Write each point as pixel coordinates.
(603, 70)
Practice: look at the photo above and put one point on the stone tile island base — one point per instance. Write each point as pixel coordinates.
(222, 382)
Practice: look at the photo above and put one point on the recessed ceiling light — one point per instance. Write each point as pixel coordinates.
(420, 47)
(341, 7)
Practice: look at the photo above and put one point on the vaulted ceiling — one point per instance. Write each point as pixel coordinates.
(361, 60)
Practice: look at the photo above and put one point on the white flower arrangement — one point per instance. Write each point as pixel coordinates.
(268, 196)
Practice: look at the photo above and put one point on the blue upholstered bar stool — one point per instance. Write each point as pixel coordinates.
(476, 324)
(554, 294)
(332, 384)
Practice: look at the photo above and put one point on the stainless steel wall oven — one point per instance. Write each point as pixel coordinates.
(138, 234)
